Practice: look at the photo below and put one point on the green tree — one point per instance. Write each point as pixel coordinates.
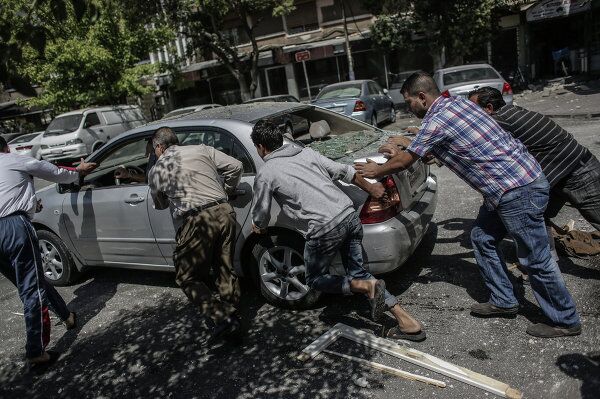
(202, 21)
(87, 59)
(456, 27)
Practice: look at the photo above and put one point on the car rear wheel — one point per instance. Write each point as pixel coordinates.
(279, 271)
(57, 263)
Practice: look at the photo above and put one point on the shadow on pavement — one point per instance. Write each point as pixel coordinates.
(584, 367)
(160, 351)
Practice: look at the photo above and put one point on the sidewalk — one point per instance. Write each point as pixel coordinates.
(579, 99)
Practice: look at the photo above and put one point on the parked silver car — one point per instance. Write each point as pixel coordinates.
(395, 87)
(105, 222)
(460, 80)
(28, 144)
(364, 100)
(187, 110)
(76, 134)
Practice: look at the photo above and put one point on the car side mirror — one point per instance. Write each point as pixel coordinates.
(67, 188)
(385, 91)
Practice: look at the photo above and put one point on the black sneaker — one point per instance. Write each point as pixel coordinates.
(229, 329)
(542, 330)
(489, 310)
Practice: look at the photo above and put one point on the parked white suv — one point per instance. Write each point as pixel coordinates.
(78, 133)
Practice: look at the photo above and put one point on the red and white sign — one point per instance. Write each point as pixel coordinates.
(302, 56)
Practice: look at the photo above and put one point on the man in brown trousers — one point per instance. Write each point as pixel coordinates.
(186, 180)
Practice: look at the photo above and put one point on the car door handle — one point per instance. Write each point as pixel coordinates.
(134, 200)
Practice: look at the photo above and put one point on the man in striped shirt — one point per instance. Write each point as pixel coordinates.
(515, 194)
(573, 172)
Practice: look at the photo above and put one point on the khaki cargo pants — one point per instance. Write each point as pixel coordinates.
(203, 259)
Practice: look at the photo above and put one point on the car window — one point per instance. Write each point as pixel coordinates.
(112, 117)
(132, 114)
(91, 120)
(373, 90)
(219, 140)
(131, 153)
(64, 124)
(340, 92)
(24, 139)
(469, 75)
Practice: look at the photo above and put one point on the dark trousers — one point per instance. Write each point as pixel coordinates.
(581, 188)
(203, 259)
(345, 238)
(21, 263)
(520, 214)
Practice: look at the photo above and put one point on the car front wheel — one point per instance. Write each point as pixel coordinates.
(57, 263)
(280, 272)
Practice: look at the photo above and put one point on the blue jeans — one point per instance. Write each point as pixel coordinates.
(21, 263)
(319, 252)
(520, 214)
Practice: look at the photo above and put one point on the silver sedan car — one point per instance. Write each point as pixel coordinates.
(106, 222)
(27, 144)
(460, 80)
(364, 100)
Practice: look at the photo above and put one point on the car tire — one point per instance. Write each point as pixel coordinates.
(57, 262)
(373, 119)
(278, 264)
(392, 114)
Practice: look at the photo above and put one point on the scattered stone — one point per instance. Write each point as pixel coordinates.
(361, 382)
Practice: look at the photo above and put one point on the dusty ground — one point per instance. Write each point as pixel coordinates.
(139, 337)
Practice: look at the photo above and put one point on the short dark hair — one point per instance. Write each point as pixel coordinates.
(267, 134)
(488, 95)
(419, 82)
(164, 136)
(3, 143)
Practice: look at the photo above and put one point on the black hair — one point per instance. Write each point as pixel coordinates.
(3, 143)
(488, 95)
(267, 134)
(420, 82)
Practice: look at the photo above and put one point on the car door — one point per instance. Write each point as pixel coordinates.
(107, 222)
(374, 100)
(95, 127)
(241, 202)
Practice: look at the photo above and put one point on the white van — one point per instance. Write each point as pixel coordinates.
(76, 134)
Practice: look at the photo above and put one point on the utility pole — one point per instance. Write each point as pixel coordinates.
(348, 51)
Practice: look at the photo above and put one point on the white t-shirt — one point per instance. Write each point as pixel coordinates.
(16, 181)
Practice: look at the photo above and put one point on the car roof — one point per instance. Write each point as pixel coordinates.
(464, 67)
(105, 108)
(267, 98)
(248, 113)
(349, 83)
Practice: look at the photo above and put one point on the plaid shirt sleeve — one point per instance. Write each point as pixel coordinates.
(429, 136)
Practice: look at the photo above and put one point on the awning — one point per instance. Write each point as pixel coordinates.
(329, 42)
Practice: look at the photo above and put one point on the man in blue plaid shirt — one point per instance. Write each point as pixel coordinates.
(515, 194)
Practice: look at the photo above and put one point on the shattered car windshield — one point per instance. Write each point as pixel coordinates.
(345, 147)
(63, 124)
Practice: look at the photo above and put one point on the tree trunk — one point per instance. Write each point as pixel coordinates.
(438, 56)
(245, 91)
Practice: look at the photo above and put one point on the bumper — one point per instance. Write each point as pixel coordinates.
(388, 245)
(73, 151)
(361, 116)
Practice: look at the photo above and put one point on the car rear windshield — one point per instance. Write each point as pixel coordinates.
(63, 124)
(469, 75)
(179, 112)
(24, 139)
(340, 92)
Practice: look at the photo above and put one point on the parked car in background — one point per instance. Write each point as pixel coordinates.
(285, 98)
(28, 144)
(77, 134)
(460, 80)
(364, 100)
(394, 92)
(110, 222)
(187, 110)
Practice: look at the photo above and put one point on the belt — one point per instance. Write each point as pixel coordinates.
(198, 209)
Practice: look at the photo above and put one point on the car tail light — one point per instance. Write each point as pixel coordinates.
(506, 89)
(359, 106)
(446, 93)
(380, 210)
(24, 148)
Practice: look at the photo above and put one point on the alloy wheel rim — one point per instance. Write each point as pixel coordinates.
(282, 271)
(52, 263)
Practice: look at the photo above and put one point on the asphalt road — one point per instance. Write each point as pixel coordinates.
(139, 337)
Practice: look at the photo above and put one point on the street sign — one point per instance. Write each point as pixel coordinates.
(302, 56)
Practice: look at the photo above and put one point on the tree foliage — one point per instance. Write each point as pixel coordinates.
(457, 27)
(204, 23)
(89, 56)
